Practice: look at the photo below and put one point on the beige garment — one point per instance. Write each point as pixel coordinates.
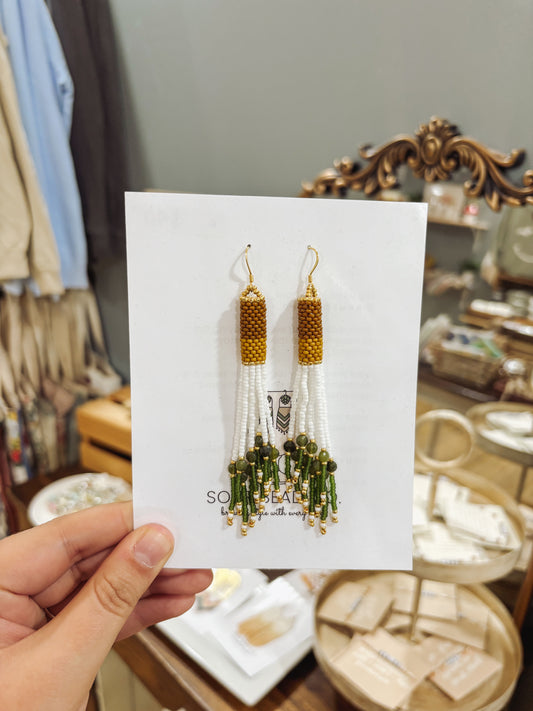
(27, 243)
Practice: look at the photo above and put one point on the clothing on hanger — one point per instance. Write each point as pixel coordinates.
(45, 95)
(27, 242)
(85, 29)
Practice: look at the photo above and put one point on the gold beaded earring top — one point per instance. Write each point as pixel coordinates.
(310, 338)
(253, 323)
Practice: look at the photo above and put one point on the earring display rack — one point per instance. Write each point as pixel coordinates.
(500, 638)
(512, 444)
(499, 562)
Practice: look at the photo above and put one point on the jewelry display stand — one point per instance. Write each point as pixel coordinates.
(517, 446)
(502, 642)
(501, 639)
(479, 415)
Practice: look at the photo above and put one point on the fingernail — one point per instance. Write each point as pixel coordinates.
(153, 547)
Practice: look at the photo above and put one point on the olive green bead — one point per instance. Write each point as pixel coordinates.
(323, 456)
(289, 446)
(302, 440)
(332, 466)
(231, 467)
(312, 447)
(315, 466)
(274, 454)
(295, 456)
(241, 465)
(250, 456)
(265, 451)
(258, 440)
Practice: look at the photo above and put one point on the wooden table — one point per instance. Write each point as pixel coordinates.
(176, 681)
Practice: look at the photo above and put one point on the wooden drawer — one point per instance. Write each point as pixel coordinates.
(104, 425)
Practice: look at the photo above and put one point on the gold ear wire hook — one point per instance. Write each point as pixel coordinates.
(248, 263)
(310, 276)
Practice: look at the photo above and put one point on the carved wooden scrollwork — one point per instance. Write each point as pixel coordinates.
(435, 152)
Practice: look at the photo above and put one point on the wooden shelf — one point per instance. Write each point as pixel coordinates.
(473, 225)
(426, 375)
(508, 279)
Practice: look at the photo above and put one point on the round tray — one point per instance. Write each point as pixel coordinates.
(478, 417)
(500, 562)
(502, 642)
(45, 505)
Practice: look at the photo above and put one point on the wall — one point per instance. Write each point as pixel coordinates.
(238, 97)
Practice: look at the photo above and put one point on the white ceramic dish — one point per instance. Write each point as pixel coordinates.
(62, 496)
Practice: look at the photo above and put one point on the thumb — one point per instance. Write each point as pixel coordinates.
(93, 619)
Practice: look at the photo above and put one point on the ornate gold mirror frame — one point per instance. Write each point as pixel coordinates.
(435, 152)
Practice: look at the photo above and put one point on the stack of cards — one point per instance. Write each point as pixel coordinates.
(487, 525)
(371, 650)
(388, 669)
(438, 544)
(457, 531)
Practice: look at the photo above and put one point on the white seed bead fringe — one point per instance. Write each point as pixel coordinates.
(252, 413)
(294, 403)
(304, 400)
(323, 409)
(310, 415)
(238, 416)
(244, 412)
(268, 417)
(309, 412)
(252, 410)
(262, 403)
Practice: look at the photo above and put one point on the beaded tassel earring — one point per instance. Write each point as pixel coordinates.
(253, 468)
(313, 476)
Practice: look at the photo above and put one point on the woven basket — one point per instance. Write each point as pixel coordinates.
(477, 370)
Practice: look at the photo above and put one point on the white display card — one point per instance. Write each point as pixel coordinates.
(186, 270)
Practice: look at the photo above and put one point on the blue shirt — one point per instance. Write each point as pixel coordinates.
(46, 93)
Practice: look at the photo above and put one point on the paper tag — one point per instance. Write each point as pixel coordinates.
(403, 655)
(446, 491)
(342, 602)
(374, 675)
(436, 599)
(469, 629)
(465, 671)
(438, 544)
(370, 611)
(436, 650)
(351, 606)
(487, 524)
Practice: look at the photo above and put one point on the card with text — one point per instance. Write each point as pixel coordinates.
(380, 679)
(465, 671)
(274, 386)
